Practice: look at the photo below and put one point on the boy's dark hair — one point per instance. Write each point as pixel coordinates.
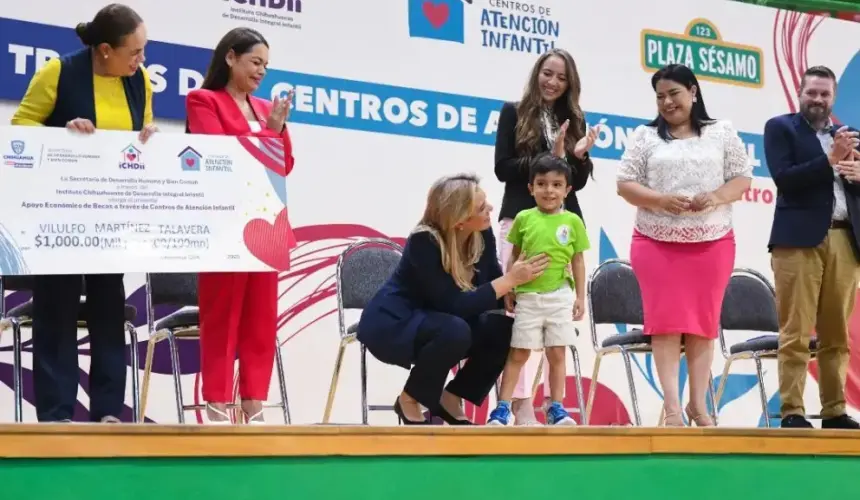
(546, 163)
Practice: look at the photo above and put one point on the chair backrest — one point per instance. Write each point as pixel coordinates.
(27, 282)
(749, 303)
(614, 295)
(175, 289)
(363, 268)
(18, 283)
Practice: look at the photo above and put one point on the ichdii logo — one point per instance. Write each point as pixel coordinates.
(131, 159)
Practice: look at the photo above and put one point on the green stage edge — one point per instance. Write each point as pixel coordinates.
(659, 477)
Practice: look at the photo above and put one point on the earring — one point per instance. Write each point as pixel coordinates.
(695, 99)
(105, 56)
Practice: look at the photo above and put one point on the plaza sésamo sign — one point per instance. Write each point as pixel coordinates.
(702, 49)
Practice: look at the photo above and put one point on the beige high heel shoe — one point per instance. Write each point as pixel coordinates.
(672, 419)
(699, 420)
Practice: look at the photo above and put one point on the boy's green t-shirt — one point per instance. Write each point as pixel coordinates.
(559, 236)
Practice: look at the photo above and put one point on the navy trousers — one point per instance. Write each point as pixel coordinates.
(443, 341)
(56, 304)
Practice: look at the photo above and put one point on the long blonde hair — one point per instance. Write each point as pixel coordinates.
(451, 200)
(529, 130)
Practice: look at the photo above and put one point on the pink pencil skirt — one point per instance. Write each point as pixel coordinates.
(682, 284)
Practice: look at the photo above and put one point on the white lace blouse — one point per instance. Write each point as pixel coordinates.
(686, 167)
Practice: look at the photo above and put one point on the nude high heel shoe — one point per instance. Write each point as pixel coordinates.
(699, 420)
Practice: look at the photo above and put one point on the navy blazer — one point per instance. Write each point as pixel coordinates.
(389, 323)
(804, 185)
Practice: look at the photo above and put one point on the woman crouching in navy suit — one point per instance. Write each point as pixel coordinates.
(443, 305)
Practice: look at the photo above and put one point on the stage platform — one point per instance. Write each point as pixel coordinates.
(164, 462)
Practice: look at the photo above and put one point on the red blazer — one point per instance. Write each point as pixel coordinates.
(214, 112)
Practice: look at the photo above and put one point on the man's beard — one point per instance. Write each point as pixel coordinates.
(815, 113)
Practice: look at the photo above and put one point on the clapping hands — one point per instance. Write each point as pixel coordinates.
(281, 107)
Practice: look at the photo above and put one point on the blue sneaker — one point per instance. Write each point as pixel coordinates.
(501, 416)
(557, 415)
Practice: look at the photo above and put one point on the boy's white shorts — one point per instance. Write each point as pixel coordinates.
(544, 320)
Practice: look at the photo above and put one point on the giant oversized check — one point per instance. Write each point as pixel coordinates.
(104, 203)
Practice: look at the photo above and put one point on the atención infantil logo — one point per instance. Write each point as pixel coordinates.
(511, 26)
(189, 160)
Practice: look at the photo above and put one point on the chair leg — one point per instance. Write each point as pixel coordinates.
(761, 392)
(538, 374)
(282, 382)
(135, 372)
(364, 409)
(17, 370)
(713, 400)
(634, 401)
(592, 388)
(723, 378)
(335, 377)
(177, 385)
(147, 372)
(577, 373)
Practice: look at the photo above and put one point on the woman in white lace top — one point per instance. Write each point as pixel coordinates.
(683, 171)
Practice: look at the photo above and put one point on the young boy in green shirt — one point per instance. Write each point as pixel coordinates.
(546, 307)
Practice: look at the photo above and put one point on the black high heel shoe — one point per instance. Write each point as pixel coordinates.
(450, 419)
(398, 410)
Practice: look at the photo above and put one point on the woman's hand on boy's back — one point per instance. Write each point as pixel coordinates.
(510, 300)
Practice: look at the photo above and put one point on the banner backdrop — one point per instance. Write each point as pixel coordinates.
(389, 98)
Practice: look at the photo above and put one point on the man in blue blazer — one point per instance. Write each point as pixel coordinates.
(814, 246)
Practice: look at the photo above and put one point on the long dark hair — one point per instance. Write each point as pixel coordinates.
(529, 131)
(240, 41)
(681, 75)
(110, 25)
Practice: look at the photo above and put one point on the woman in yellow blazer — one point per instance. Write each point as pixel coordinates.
(102, 86)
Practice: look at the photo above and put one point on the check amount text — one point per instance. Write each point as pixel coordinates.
(123, 236)
(119, 243)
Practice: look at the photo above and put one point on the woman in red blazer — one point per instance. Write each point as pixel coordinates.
(238, 311)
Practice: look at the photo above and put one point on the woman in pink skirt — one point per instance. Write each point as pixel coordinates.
(683, 171)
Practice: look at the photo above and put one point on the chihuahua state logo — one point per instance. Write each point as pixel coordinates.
(562, 234)
(19, 158)
(701, 48)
